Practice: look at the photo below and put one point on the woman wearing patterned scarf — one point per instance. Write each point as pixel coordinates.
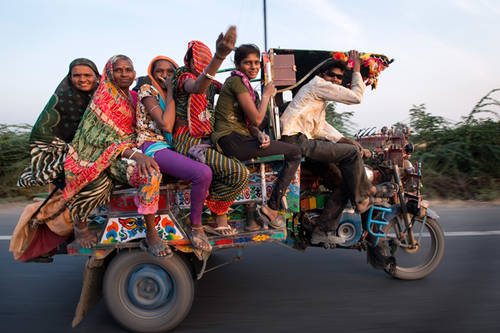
(194, 91)
(155, 121)
(102, 152)
(237, 117)
(58, 122)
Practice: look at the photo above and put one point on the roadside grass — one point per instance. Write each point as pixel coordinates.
(459, 161)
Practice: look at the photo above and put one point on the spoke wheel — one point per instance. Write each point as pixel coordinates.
(419, 261)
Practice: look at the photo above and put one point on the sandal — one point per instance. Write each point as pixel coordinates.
(226, 230)
(278, 223)
(199, 241)
(156, 248)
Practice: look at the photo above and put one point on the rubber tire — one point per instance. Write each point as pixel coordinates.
(422, 271)
(115, 293)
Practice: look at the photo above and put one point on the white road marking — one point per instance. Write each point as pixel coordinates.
(471, 233)
(456, 233)
(5, 237)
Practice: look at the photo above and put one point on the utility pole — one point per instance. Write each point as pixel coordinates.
(265, 27)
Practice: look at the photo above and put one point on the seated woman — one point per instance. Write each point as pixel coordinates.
(237, 118)
(102, 153)
(49, 138)
(194, 91)
(58, 122)
(156, 113)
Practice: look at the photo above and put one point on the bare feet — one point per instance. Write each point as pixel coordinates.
(84, 236)
(155, 244)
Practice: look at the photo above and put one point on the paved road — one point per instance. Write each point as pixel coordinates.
(275, 289)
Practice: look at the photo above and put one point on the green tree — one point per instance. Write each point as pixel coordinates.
(426, 127)
(460, 160)
(340, 120)
(14, 157)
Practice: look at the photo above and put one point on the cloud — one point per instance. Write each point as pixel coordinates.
(325, 10)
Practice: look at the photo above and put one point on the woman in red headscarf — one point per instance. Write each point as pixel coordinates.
(194, 91)
(155, 116)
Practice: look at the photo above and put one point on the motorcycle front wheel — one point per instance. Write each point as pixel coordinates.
(417, 262)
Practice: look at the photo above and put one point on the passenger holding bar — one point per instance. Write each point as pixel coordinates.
(237, 117)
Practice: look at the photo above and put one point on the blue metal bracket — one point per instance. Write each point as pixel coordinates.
(378, 223)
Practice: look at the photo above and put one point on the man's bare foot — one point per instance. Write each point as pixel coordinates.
(85, 237)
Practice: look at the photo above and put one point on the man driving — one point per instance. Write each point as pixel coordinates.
(304, 123)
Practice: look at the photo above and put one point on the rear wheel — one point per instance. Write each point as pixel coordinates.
(148, 294)
(419, 261)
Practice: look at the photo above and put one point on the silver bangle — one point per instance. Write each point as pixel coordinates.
(208, 76)
(154, 107)
(130, 157)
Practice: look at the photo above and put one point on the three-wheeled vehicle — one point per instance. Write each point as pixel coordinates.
(150, 294)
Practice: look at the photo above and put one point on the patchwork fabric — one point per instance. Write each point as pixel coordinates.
(106, 129)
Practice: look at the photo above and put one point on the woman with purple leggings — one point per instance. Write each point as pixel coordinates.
(155, 115)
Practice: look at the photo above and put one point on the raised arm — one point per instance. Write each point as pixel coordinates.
(338, 93)
(224, 46)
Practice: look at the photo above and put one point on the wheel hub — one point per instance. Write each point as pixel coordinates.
(347, 231)
(149, 286)
(413, 249)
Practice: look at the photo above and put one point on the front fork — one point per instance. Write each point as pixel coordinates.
(404, 210)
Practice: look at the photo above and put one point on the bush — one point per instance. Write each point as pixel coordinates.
(459, 160)
(14, 157)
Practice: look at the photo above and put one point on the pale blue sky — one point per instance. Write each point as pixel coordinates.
(446, 52)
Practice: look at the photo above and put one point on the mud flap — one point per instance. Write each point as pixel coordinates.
(93, 274)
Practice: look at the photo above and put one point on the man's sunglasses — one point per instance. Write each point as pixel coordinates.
(338, 76)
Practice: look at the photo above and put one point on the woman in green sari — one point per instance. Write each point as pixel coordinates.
(58, 122)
